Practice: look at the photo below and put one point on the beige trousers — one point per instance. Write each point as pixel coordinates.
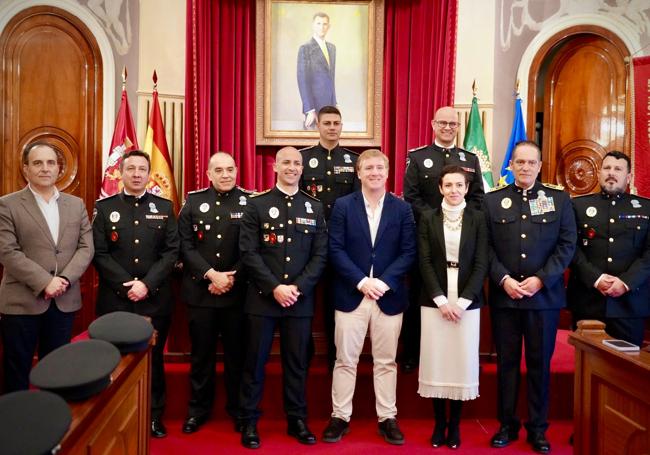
(349, 334)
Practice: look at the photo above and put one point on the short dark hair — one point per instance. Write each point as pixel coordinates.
(320, 14)
(40, 143)
(328, 110)
(529, 143)
(453, 169)
(620, 156)
(135, 153)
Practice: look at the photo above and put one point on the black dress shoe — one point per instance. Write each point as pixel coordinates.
(238, 425)
(438, 436)
(505, 436)
(391, 432)
(409, 365)
(249, 437)
(192, 424)
(299, 430)
(158, 430)
(539, 442)
(453, 437)
(336, 429)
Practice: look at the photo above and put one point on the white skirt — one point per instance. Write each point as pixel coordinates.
(449, 359)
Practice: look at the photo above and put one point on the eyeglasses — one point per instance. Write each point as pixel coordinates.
(443, 124)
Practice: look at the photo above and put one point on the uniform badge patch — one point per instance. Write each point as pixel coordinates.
(153, 208)
(461, 155)
(506, 202)
(204, 207)
(428, 163)
(274, 212)
(242, 200)
(114, 217)
(635, 203)
(347, 158)
(308, 207)
(591, 211)
(313, 163)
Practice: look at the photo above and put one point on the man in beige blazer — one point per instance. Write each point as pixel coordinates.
(46, 245)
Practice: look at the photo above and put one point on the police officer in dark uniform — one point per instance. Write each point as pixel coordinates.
(329, 173)
(283, 242)
(610, 271)
(136, 247)
(424, 165)
(532, 236)
(213, 286)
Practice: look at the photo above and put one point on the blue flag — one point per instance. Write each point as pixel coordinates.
(517, 134)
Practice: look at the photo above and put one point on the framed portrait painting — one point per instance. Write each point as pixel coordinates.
(311, 54)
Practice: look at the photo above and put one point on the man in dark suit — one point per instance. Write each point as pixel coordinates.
(213, 286)
(610, 271)
(329, 173)
(532, 236)
(424, 165)
(372, 246)
(316, 70)
(283, 243)
(136, 247)
(45, 247)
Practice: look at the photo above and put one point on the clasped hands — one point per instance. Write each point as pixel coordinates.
(220, 282)
(611, 286)
(373, 288)
(520, 289)
(56, 287)
(286, 294)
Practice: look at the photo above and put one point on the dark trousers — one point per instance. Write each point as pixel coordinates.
(20, 336)
(161, 324)
(206, 324)
(294, 340)
(538, 329)
(411, 325)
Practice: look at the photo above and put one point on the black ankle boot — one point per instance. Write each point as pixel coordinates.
(453, 434)
(438, 436)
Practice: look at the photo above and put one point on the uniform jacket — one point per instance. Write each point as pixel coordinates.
(473, 257)
(31, 258)
(524, 244)
(208, 226)
(315, 76)
(352, 254)
(612, 238)
(283, 240)
(135, 238)
(423, 171)
(329, 174)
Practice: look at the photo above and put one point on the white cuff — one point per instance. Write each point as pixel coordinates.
(440, 300)
(361, 283)
(464, 303)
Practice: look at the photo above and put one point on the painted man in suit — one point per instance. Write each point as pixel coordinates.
(372, 246)
(213, 286)
(283, 243)
(45, 246)
(531, 237)
(611, 268)
(136, 247)
(316, 70)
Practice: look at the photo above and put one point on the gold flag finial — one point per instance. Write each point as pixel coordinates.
(474, 88)
(124, 75)
(155, 80)
(517, 87)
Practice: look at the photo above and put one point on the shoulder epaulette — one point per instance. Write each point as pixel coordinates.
(418, 148)
(199, 190)
(347, 150)
(465, 151)
(497, 188)
(244, 190)
(260, 193)
(309, 195)
(306, 148)
(553, 186)
(107, 197)
(577, 196)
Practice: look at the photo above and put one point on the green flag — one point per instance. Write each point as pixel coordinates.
(475, 143)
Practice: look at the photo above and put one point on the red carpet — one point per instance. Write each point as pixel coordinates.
(219, 437)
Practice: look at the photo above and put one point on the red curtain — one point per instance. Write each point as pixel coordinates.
(420, 47)
(419, 58)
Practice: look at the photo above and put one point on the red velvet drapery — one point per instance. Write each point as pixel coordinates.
(420, 40)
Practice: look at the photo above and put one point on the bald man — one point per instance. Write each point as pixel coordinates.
(423, 167)
(283, 243)
(213, 286)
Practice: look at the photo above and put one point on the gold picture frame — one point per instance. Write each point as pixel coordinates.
(355, 40)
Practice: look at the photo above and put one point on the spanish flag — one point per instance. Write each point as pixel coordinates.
(161, 180)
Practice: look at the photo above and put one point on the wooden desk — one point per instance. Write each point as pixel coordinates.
(611, 395)
(116, 421)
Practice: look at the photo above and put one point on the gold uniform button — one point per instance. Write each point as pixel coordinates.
(289, 222)
(288, 259)
(288, 239)
(136, 222)
(586, 225)
(137, 241)
(329, 189)
(523, 255)
(288, 204)
(609, 259)
(611, 220)
(329, 157)
(613, 202)
(218, 218)
(286, 276)
(543, 220)
(525, 199)
(306, 231)
(136, 204)
(218, 255)
(218, 236)
(136, 260)
(523, 217)
(218, 203)
(523, 236)
(611, 240)
(638, 228)
(329, 172)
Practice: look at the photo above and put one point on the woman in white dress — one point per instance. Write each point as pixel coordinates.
(453, 254)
